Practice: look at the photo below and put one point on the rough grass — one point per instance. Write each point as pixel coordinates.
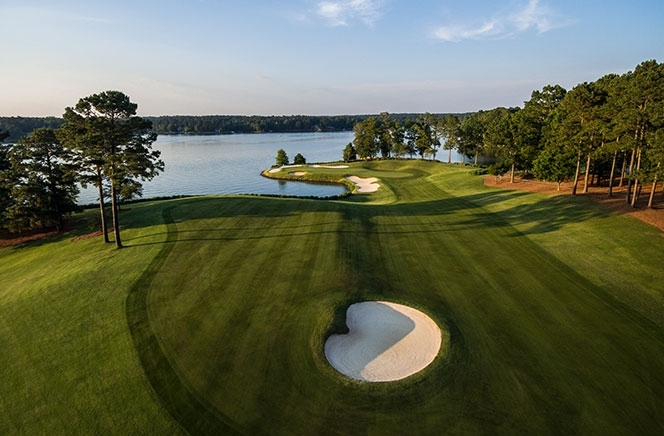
(213, 319)
(67, 364)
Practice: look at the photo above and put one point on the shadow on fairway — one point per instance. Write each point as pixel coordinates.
(360, 223)
(191, 412)
(456, 213)
(468, 213)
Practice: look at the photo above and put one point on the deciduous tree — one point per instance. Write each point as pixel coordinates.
(470, 140)
(501, 137)
(365, 141)
(427, 140)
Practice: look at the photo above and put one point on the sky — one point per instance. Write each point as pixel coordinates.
(288, 57)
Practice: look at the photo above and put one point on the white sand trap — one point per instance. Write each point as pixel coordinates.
(330, 166)
(365, 185)
(297, 173)
(276, 170)
(385, 342)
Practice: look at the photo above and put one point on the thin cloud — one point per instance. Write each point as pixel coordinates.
(458, 33)
(533, 15)
(341, 13)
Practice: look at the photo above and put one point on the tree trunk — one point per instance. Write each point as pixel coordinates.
(613, 169)
(629, 180)
(622, 171)
(512, 173)
(586, 178)
(104, 226)
(637, 188)
(116, 221)
(576, 173)
(652, 190)
(61, 221)
(635, 194)
(449, 156)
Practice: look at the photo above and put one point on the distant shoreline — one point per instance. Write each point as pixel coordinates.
(19, 126)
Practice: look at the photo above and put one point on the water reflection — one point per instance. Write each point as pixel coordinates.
(231, 164)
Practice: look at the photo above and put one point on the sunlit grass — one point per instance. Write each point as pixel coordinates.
(213, 318)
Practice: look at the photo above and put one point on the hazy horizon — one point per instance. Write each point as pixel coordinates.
(310, 57)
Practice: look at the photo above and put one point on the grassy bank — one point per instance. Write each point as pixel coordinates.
(213, 319)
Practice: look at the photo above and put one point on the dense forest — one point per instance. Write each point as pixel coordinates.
(225, 124)
(214, 124)
(607, 131)
(23, 126)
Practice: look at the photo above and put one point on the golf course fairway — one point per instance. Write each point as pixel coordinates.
(214, 317)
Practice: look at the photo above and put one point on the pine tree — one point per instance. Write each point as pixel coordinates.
(113, 146)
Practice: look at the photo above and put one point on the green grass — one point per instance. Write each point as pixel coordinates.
(213, 319)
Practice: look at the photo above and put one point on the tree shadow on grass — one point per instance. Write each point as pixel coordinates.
(544, 215)
(358, 224)
(193, 413)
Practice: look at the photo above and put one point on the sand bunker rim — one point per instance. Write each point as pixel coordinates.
(385, 342)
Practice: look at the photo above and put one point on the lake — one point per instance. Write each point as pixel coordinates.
(231, 164)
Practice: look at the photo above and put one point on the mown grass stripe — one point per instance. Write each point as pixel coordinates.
(245, 290)
(185, 407)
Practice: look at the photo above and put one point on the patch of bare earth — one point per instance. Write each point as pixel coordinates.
(10, 239)
(599, 194)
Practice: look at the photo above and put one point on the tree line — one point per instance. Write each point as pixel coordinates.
(101, 142)
(228, 124)
(213, 124)
(385, 136)
(17, 127)
(610, 131)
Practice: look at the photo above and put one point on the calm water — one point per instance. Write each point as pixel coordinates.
(231, 164)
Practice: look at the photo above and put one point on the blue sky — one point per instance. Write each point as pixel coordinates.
(314, 57)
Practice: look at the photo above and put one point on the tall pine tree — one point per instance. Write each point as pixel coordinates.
(112, 146)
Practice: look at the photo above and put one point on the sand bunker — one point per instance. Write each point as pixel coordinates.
(365, 185)
(297, 173)
(283, 167)
(385, 342)
(330, 166)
